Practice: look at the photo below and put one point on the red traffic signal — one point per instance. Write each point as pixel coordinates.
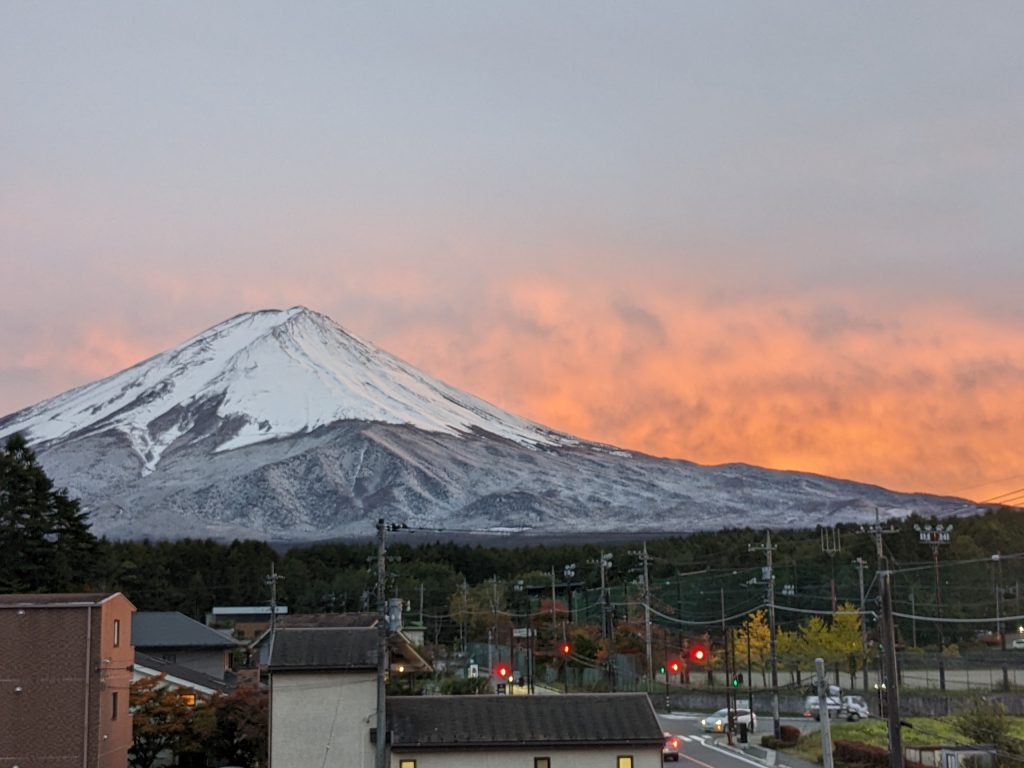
(674, 666)
(698, 653)
(566, 649)
(503, 672)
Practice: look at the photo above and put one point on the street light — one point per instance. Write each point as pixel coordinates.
(935, 536)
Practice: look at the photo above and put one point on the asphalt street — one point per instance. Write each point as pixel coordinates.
(709, 750)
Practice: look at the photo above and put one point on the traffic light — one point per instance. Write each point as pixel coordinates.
(698, 653)
(674, 666)
(566, 649)
(737, 680)
(502, 671)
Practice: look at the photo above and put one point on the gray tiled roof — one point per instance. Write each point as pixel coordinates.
(317, 648)
(192, 676)
(170, 629)
(613, 719)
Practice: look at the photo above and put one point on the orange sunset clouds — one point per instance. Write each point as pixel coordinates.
(788, 235)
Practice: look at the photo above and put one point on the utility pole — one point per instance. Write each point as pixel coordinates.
(271, 581)
(888, 638)
(892, 686)
(382, 640)
(382, 648)
(831, 544)
(607, 631)
(1000, 628)
(554, 618)
(644, 559)
(826, 721)
(767, 548)
(860, 562)
(936, 536)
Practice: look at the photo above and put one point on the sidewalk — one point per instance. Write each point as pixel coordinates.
(765, 755)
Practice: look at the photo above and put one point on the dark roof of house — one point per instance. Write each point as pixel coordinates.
(190, 677)
(321, 648)
(170, 629)
(441, 722)
(54, 600)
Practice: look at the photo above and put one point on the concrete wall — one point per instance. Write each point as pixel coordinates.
(523, 758)
(322, 719)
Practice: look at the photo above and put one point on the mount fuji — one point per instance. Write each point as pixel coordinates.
(281, 425)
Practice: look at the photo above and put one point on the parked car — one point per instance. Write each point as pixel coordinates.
(833, 697)
(719, 721)
(671, 749)
(854, 708)
(1018, 644)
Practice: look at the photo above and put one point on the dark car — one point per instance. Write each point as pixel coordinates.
(671, 749)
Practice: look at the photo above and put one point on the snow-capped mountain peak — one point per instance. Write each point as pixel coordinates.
(261, 376)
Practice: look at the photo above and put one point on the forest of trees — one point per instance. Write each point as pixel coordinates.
(459, 591)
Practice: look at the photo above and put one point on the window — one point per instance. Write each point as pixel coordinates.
(625, 761)
(542, 762)
(406, 764)
(113, 706)
(117, 632)
(189, 699)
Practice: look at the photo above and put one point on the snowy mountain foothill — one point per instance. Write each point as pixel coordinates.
(281, 425)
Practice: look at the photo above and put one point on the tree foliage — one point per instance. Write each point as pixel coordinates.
(236, 727)
(984, 721)
(44, 536)
(162, 720)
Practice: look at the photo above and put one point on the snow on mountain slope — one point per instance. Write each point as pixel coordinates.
(279, 424)
(269, 375)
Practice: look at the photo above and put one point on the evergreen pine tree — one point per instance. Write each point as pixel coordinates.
(44, 535)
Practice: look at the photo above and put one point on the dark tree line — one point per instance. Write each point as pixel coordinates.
(47, 547)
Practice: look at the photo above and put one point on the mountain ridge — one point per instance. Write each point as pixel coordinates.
(281, 424)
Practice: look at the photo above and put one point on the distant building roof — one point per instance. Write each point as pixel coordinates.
(328, 620)
(247, 610)
(170, 629)
(323, 648)
(62, 600)
(177, 675)
(441, 722)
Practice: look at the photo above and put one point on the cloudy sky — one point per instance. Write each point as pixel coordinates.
(788, 234)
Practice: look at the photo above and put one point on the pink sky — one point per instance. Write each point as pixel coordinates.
(788, 236)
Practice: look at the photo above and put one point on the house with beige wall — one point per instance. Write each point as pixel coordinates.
(323, 701)
(613, 730)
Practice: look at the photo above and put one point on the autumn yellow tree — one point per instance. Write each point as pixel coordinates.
(755, 635)
(845, 640)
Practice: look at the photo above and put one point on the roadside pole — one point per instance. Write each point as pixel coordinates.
(826, 722)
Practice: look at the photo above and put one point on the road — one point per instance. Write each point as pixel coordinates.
(703, 750)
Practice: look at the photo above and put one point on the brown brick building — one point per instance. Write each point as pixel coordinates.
(65, 671)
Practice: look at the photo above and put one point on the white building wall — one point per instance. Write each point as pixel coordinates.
(322, 719)
(648, 757)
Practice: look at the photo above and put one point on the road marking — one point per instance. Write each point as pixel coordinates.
(695, 760)
(733, 754)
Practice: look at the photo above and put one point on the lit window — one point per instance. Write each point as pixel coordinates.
(542, 762)
(189, 699)
(406, 764)
(625, 761)
(117, 632)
